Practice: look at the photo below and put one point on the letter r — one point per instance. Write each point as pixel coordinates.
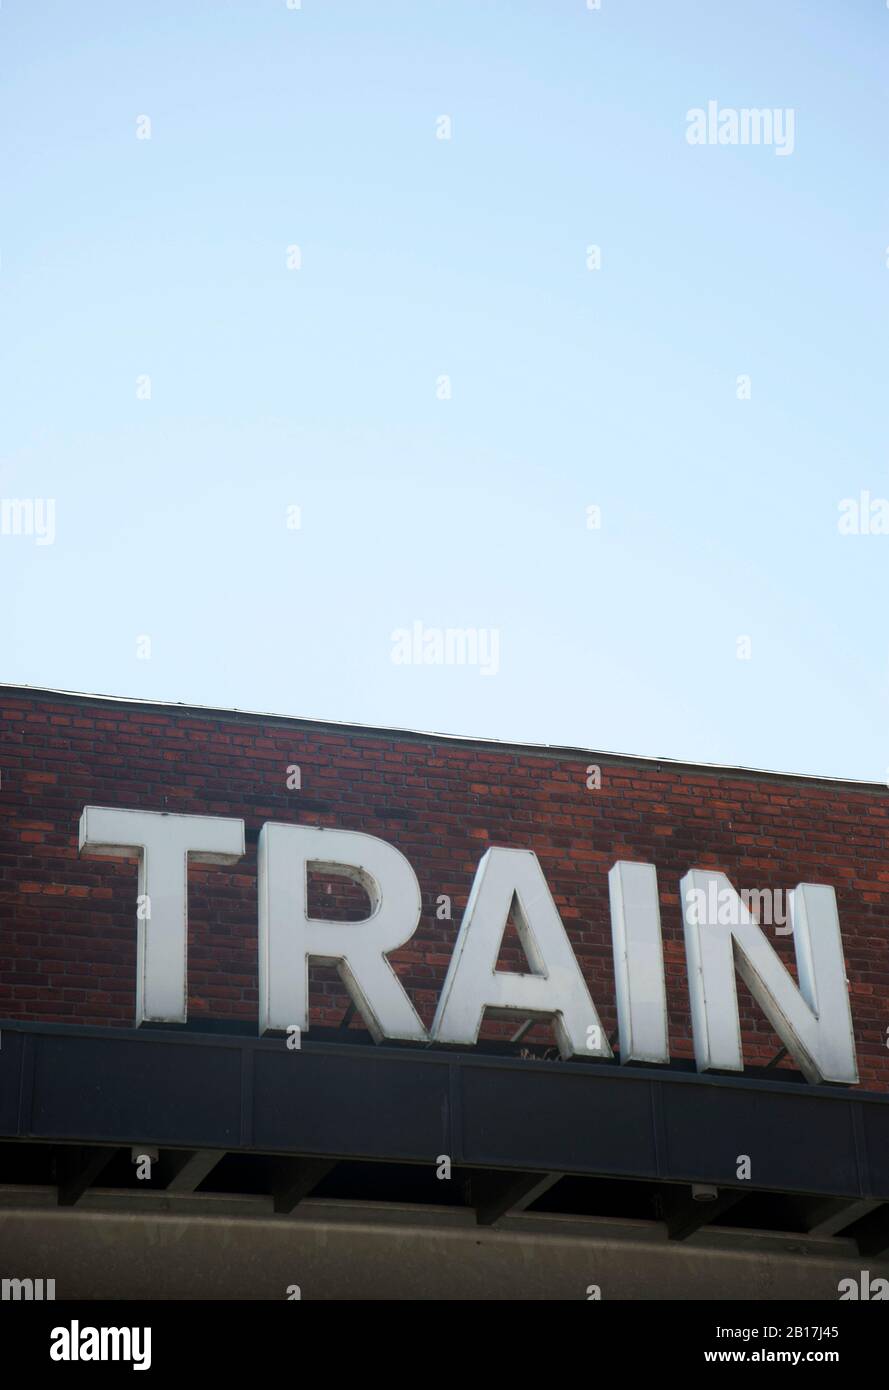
(289, 937)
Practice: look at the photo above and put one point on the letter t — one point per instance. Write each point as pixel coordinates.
(163, 843)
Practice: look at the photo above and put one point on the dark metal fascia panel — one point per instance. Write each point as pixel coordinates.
(126, 1086)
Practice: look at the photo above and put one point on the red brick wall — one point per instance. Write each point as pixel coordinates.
(67, 924)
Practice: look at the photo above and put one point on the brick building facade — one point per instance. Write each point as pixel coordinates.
(67, 943)
(324, 1172)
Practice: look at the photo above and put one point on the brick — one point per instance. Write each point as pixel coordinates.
(68, 939)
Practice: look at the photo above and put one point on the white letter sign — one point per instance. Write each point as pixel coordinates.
(163, 843)
(288, 937)
(638, 963)
(813, 1022)
(556, 990)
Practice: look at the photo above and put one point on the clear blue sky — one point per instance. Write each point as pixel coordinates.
(423, 257)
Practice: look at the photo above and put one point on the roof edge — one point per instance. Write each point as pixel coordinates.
(458, 740)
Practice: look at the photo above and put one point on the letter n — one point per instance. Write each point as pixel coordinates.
(813, 1021)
